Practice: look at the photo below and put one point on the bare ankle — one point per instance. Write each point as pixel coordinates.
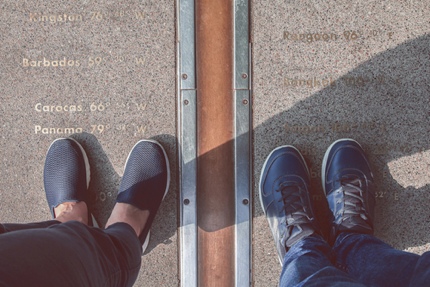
(123, 212)
(68, 211)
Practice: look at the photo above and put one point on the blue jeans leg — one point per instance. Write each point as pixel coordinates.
(309, 263)
(375, 263)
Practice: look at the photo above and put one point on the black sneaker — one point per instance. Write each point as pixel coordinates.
(146, 181)
(348, 184)
(66, 174)
(284, 196)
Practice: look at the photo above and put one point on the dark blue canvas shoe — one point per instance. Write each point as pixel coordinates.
(284, 196)
(146, 181)
(348, 184)
(66, 174)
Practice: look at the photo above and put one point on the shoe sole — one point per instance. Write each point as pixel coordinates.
(324, 163)
(146, 243)
(87, 169)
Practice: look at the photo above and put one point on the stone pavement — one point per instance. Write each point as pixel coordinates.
(325, 70)
(104, 73)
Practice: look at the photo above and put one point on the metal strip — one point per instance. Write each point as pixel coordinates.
(187, 134)
(241, 45)
(215, 143)
(187, 49)
(243, 187)
(188, 184)
(242, 83)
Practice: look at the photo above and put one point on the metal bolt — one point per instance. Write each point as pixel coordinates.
(184, 76)
(186, 201)
(245, 101)
(245, 201)
(244, 76)
(186, 102)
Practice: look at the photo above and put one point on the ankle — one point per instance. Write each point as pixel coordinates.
(68, 211)
(127, 213)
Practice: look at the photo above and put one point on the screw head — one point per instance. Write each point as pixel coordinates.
(244, 76)
(186, 102)
(245, 201)
(184, 76)
(186, 201)
(245, 101)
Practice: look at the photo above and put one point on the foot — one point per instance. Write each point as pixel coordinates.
(133, 216)
(66, 179)
(68, 211)
(284, 196)
(348, 184)
(143, 188)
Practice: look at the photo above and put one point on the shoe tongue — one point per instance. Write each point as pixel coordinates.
(359, 220)
(357, 224)
(351, 179)
(352, 186)
(287, 191)
(298, 232)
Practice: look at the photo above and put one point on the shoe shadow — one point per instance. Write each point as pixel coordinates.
(105, 181)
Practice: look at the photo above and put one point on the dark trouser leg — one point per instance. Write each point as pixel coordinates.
(9, 227)
(70, 254)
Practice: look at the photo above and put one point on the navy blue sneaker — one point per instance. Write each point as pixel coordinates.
(146, 181)
(348, 184)
(66, 174)
(284, 196)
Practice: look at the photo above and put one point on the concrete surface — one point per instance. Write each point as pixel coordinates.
(322, 70)
(105, 69)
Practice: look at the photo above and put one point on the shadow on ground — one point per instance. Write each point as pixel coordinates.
(105, 182)
(384, 104)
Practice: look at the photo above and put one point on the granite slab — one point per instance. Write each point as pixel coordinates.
(102, 72)
(324, 70)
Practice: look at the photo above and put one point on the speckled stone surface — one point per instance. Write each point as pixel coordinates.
(102, 72)
(324, 70)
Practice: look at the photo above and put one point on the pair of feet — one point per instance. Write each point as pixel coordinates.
(142, 189)
(347, 181)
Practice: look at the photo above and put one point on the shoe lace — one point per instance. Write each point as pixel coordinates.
(354, 201)
(294, 207)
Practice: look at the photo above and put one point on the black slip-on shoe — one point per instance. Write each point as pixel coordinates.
(348, 183)
(284, 196)
(146, 181)
(67, 175)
